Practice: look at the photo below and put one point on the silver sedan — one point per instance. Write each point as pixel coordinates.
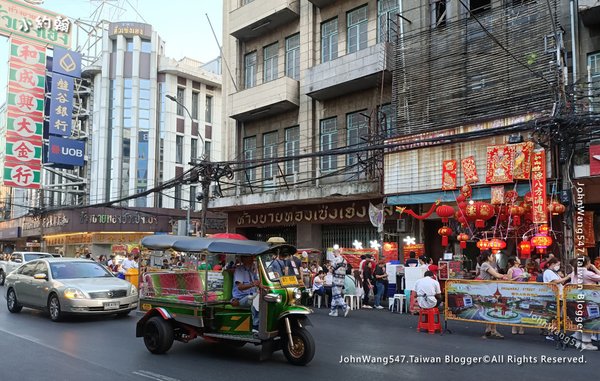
(69, 286)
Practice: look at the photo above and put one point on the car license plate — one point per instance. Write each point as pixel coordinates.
(111, 306)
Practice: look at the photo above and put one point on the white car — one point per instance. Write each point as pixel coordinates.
(69, 286)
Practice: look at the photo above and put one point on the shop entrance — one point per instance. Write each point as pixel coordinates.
(433, 241)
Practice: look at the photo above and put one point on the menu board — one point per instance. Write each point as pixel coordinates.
(418, 248)
(450, 270)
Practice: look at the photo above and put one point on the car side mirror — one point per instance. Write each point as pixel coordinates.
(273, 298)
(17, 260)
(40, 276)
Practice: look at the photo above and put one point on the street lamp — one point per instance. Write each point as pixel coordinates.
(204, 173)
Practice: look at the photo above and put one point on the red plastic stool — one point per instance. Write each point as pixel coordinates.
(429, 319)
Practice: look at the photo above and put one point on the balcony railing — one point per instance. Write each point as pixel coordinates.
(270, 98)
(259, 17)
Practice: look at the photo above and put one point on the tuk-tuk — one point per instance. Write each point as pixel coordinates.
(184, 305)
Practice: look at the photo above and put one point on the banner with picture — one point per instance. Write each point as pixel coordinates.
(582, 308)
(506, 303)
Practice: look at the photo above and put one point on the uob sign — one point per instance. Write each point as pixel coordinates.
(66, 151)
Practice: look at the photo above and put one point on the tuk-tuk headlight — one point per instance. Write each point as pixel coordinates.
(297, 293)
(309, 291)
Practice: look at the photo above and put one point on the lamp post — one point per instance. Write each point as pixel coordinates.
(204, 174)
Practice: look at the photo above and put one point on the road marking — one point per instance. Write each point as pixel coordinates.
(154, 376)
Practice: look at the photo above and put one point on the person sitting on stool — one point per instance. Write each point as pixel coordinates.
(429, 293)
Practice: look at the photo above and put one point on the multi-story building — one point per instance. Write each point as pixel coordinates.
(308, 90)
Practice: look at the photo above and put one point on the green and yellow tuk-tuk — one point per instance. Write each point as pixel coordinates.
(184, 305)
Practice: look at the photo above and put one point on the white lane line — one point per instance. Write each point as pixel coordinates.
(154, 376)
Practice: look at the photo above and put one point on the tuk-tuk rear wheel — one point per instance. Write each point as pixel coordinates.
(158, 335)
(302, 348)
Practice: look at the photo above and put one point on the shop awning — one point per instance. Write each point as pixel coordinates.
(448, 196)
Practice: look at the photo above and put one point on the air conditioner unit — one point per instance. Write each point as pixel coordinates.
(401, 226)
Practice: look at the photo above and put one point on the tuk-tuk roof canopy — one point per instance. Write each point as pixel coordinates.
(212, 245)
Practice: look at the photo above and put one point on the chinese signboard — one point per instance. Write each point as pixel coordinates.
(34, 23)
(449, 175)
(539, 209)
(61, 105)
(25, 109)
(499, 165)
(66, 62)
(470, 170)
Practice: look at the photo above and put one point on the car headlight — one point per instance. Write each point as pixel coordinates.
(73, 293)
(134, 291)
(297, 293)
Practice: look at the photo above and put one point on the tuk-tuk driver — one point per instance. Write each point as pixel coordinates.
(245, 283)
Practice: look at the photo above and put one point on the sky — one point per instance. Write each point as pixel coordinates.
(182, 24)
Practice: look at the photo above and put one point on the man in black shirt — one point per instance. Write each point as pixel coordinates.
(412, 261)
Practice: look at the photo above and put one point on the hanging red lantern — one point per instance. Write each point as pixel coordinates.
(444, 211)
(541, 242)
(445, 232)
(556, 208)
(471, 211)
(528, 197)
(496, 245)
(502, 213)
(484, 212)
(462, 205)
(466, 191)
(483, 244)
(516, 212)
(544, 229)
(463, 238)
(525, 249)
(460, 198)
(510, 197)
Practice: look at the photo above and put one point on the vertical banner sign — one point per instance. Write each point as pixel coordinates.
(61, 105)
(25, 108)
(499, 165)
(449, 175)
(470, 170)
(522, 160)
(539, 209)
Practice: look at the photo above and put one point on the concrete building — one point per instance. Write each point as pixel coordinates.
(305, 78)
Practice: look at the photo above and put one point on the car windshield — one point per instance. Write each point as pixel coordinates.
(72, 270)
(34, 256)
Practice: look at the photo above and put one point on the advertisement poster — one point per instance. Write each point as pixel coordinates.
(352, 256)
(418, 248)
(450, 270)
(506, 303)
(390, 251)
(582, 308)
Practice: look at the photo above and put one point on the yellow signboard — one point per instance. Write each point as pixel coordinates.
(34, 23)
(287, 281)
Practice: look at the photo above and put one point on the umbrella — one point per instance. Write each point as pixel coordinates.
(229, 236)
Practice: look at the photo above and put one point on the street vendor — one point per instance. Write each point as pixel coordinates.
(245, 283)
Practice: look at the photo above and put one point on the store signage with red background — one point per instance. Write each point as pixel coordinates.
(352, 256)
(418, 248)
(539, 209)
(390, 251)
(595, 160)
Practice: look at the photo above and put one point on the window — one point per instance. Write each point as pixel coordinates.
(207, 148)
(479, 6)
(178, 196)
(179, 149)
(270, 62)
(357, 124)
(192, 198)
(387, 25)
(249, 155)
(357, 29)
(250, 70)
(387, 120)
(292, 56)
(594, 65)
(329, 40)
(208, 110)
(180, 100)
(194, 149)
(195, 97)
(439, 13)
(328, 142)
(269, 151)
(129, 44)
(146, 46)
(292, 148)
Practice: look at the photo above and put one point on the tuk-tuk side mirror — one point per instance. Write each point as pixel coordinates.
(273, 298)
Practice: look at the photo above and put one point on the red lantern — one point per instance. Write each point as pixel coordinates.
(471, 212)
(516, 212)
(483, 244)
(510, 197)
(541, 242)
(462, 205)
(525, 248)
(544, 229)
(460, 198)
(528, 197)
(466, 190)
(496, 245)
(445, 231)
(556, 208)
(463, 238)
(484, 212)
(445, 211)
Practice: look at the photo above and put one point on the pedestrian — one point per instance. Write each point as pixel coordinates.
(489, 271)
(128, 263)
(587, 273)
(412, 260)
(368, 284)
(339, 274)
(380, 276)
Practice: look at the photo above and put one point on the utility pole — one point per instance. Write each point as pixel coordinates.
(206, 179)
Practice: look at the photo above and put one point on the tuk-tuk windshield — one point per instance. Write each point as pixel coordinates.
(277, 267)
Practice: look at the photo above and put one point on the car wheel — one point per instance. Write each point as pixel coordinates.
(302, 348)
(54, 308)
(2, 278)
(158, 335)
(11, 302)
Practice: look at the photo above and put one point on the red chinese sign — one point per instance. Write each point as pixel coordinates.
(470, 170)
(497, 195)
(352, 256)
(390, 251)
(418, 248)
(539, 208)
(594, 160)
(449, 175)
(499, 165)
(522, 160)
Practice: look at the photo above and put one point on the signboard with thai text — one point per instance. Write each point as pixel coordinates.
(34, 23)
(582, 308)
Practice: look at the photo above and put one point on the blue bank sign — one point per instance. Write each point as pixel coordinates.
(66, 151)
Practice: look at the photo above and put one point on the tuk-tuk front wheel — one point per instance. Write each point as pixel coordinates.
(158, 335)
(302, 348)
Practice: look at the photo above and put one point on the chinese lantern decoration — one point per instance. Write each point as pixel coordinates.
(528, 198)
(510, 197)
(463, 238)
(483, 244)
(541, 242)
(496, 245)
(445, 211)
(445, 232)
(460, 198)
(544, 229)
(484, 212)
(556, 208)
(525, 249)
(516, 213)
(471, 212)
(466, 191)
(502, 212)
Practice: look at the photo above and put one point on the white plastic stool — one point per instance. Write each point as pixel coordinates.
(317, 300)
(352, 298)
(397, 303)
